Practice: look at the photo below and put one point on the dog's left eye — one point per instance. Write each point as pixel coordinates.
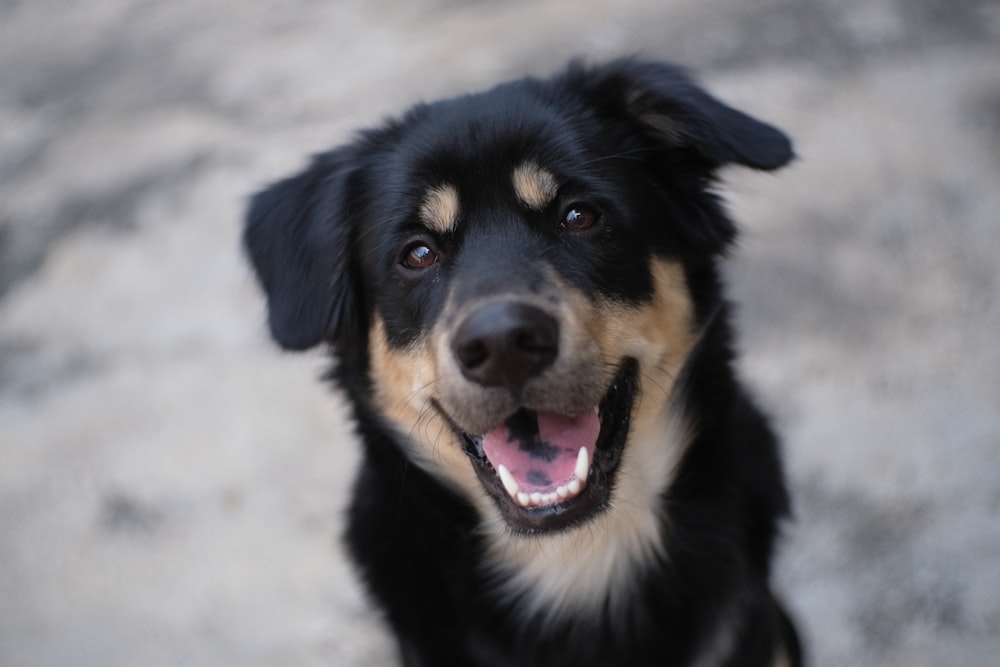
(418, 256)
(578, 218)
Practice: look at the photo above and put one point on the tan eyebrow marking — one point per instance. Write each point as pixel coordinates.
(440, 208)
(534, 186)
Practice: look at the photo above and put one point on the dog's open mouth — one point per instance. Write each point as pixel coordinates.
(549, 471)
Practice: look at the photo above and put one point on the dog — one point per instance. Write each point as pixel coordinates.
(521, 289)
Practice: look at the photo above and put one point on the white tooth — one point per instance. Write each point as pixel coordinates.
(523, 499)
(508, 480)
(574, 487)
(536, 498)
(550, 498)
(562, 491)
(582, 465)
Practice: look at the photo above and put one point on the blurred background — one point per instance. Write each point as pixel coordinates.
(171, 486)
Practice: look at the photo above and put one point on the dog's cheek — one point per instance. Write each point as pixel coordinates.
(659, 334)
(404, 382)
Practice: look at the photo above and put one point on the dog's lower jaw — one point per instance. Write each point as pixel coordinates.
(594, 567)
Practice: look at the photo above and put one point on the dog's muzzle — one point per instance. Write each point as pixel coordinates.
(547, 461)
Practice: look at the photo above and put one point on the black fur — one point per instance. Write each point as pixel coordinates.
(643, 141)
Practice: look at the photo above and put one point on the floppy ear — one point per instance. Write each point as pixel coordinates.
(297, 235)
(695, 132)
(671, 107)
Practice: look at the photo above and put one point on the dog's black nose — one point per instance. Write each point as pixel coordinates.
(506, 343)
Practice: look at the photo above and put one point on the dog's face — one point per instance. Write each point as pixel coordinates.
(514, 280)
(515, 305)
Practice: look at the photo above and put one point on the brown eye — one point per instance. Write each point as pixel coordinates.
(579, 218)
(419, 256)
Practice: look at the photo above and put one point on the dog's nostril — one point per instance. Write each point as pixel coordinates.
(506, 344)
(472, 353)
(533, 340)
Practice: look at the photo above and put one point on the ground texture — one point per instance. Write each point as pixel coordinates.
(171, 486)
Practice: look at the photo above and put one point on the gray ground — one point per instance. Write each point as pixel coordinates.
(171, 486)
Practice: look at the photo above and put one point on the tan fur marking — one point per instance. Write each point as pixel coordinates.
(660, 335)
(440, 208)
(534, 186)
(404, 382)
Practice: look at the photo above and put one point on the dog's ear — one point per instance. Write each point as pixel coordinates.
(670, 106)
(298, 237)
(691, 135)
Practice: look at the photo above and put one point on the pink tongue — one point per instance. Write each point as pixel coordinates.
(540, 448)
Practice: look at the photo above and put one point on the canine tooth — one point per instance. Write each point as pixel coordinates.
(523, 499)
(562, 491)
(508, 480)
(574, 487)
(536, 498)
(582, 464)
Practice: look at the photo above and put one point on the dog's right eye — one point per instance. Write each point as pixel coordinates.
(579, 218)
(419, 255)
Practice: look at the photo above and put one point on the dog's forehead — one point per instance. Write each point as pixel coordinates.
(464, 152)
(532, 185)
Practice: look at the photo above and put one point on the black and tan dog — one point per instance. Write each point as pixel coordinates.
(521, 288)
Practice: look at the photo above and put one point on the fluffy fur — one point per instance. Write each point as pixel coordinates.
(521, 289)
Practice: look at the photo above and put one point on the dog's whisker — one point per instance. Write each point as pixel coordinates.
(654, 380)
(625, 155)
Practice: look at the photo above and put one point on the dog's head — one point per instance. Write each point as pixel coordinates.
(513, 281)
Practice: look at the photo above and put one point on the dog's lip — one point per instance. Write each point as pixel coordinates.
(583, 494)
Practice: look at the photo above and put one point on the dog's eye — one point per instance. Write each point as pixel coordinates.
(579, 218)
(418, 256)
